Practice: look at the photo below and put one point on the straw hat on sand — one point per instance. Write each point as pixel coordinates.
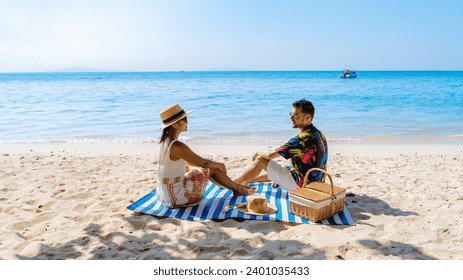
(257, 205)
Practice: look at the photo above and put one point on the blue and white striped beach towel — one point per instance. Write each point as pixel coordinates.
(215, 198)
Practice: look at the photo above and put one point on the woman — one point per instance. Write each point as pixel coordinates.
(176, 186)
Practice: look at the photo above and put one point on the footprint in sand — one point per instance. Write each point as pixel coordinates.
(137, 225)
(254, 242)
(36, 220)
(207, 250)
(197, 233)
(84, 195)
(268, 255)
(20, 226)
(240, 253)
(343, 250)
(155, 227)
(80, 208)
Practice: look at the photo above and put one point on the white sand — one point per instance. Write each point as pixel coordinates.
(68, 201)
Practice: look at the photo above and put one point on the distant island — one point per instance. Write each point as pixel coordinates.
(79, 69)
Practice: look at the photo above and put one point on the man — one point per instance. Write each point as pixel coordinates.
(306, 150)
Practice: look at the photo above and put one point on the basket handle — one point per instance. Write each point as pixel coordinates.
(306, 177)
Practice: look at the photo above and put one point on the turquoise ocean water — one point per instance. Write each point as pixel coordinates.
(231, 107)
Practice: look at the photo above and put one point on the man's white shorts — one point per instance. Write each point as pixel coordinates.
(280, 175)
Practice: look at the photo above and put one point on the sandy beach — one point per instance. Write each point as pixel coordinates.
(68, 201)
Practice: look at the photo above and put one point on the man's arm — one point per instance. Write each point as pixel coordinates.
(266, 155)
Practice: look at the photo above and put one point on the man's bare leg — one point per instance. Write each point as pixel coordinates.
(262, 177)
(252, 172)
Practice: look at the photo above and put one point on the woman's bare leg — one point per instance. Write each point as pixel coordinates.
(222, 178)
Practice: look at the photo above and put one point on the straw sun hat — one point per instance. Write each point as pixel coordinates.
(172, 114)
(257, 205)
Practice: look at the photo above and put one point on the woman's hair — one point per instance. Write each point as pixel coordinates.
(165, 132)
(168, 130)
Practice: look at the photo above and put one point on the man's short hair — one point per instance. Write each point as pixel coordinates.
(306, 106)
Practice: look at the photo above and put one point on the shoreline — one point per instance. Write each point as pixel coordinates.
(151, 149)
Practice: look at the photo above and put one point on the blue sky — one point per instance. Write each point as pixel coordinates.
(172, 35)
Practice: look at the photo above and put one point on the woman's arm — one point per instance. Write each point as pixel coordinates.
(180, 150)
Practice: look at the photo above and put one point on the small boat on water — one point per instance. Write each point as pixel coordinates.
(346, 73)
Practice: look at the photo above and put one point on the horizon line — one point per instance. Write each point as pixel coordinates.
(212, 70)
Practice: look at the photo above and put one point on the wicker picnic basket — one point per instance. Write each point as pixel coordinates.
(316, 201)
